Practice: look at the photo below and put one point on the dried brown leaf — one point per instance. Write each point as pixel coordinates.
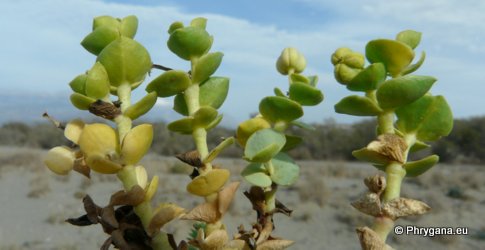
(104, 109)
(192, 158)
(369, 240)
(376, 183)
(133, 197)
(206, 212)
(369, 204)
(237, 245)
(256, 196)
(108, 219)
(92, 210)
(216, 240)
(281, 208)
(81, 167)
(401, 207)
(225, 197)
(164, 215)
(265, 232)
(391, 146)
(275, 244)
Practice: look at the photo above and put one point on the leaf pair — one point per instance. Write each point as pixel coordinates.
(284, 172)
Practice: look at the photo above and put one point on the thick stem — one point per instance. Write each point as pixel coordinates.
(383, 226)
(127, 175)
(395, 174)
(123, 123)
(385, 122)
(270, 198)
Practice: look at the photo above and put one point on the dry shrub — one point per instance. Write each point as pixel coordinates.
(313, 189)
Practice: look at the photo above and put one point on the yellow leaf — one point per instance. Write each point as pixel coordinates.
(204, 185)
(60, 160)
(98, 138)
(73, 130)
(100, 164)
(137, 143)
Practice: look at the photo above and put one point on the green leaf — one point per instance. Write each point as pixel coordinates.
(303, 125)
(189, 42)
(419, 145)
(263, 145)
(369, 78)
(97, 82)
(364, 154)
(313, 80)
(81, 102)
(199, 22)
(358, 106)
(218, 149)
(299, 78)
(416, 168)
(169, 83)
(97, 40)
(410, 37)
(126, 61)
(206, 66)
(279, 92)
(204, 116)
(305, 94)
(292, 142)
(175, 26)
(413, 67)
(429, 118)
(142, 106)
(183, 126)
(129, 26)
(214, 123)
(105, 21)
(277, 108)
(212, 92)
(395, 55)
(256, 174)
(286, 171)
(403, 90)
(78, 84)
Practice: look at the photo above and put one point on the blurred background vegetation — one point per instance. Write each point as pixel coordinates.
(329, 140)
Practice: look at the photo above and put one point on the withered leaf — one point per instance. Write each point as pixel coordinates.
(108, 219)
(391, 146)
(133, 197)
(369, 203)
(281, 208)
(119, 241)
(256, 196)
(265, 232)
(92, 210)
(401, 207)
(165, 214)
(225, 197)
(275, 244)
(104, 109)
(376, 183)
(192, 158)
(215, 240)
(106, 244)
(81, 167)
(80, 221)
(206, 212)
(369, 240)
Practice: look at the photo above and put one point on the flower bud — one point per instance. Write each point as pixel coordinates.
(344, 74)
(290, 60)
(349, 58)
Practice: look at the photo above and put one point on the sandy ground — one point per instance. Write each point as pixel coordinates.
(34, 204)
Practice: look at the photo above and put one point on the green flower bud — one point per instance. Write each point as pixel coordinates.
(350, 58)
(189, 42)
(290, 60)
(344, 74)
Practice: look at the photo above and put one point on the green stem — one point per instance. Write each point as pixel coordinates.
(270, 198)
(395, 174)
(127, 176)
(123, 123)
(385, 122)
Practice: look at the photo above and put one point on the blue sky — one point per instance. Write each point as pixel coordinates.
(40, 51)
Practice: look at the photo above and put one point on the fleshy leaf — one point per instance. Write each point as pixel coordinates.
(199, 22)
(169, 83)
(364, 154)
(292, 142)
(358, 106)
(403, 90)
(206, 66)
(142, 106)
(395, 55)
(189, 42)
(416, 168)
(129, 26)
(413, 67)
(369, 78)
(256, 174)
(204, 116)
(60, 160)
(286, 171)
(248, 127)
(126, 61)
(73, 130)
(136, 143)
(276, 108)
(183, 126)
(430, 118)
(419, 145)
(98, 138)
(214, 123)
(78, 84)
(100, 164)
(410, 37)
(263, 145)
(299, 78)
(279, 92)
(305, 94)
(105, 21)
(212, 92)
(210, 183)
(81, 102)
(303, 125)
(97, 40)
(97, 82)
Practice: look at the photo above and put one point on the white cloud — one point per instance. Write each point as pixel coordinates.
(42, 52)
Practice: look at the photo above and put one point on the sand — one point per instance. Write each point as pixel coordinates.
(35, 202)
